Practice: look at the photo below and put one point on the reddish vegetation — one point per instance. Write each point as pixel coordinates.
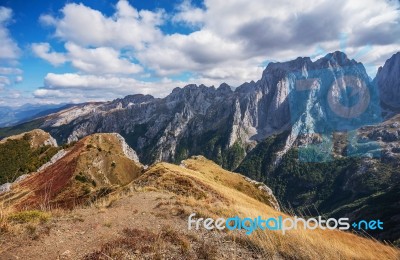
(92, 168)
(45, 186)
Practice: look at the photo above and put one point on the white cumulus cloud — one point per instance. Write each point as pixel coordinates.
(189, 14)
(8, 47)
(43, 50)
(102, 60)
(88, 27)
(9, 51)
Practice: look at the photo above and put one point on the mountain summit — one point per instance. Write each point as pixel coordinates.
(388, 80)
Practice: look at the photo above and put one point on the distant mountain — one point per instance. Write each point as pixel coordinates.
(10, 116)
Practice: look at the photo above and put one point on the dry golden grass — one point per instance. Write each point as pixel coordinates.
(31, 224)
(223, 198)
(5, 224)
(103, 161)
(29, 216)
(167, 243)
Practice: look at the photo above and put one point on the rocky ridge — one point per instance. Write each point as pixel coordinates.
(38, 138)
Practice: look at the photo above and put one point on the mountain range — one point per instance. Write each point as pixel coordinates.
(10, 116)
(215, 121)
(271, 130)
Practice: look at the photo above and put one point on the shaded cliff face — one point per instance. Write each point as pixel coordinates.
(158, 129)
(388, 80)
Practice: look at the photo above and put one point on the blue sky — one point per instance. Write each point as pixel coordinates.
(76, 51)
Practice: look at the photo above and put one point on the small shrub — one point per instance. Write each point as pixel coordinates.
(68, 145)
(81, 178)
(31, 229)
(86, 190)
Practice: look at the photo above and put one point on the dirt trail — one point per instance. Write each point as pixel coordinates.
(83, 231)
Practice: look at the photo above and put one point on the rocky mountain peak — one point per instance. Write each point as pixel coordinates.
(189, 91)
(280, 69)
(337, 57)
(224, 89)
(388, 81)
(391, 62)
(339, 61)
(137, 98)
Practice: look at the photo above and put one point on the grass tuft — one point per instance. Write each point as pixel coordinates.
(29, 216)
